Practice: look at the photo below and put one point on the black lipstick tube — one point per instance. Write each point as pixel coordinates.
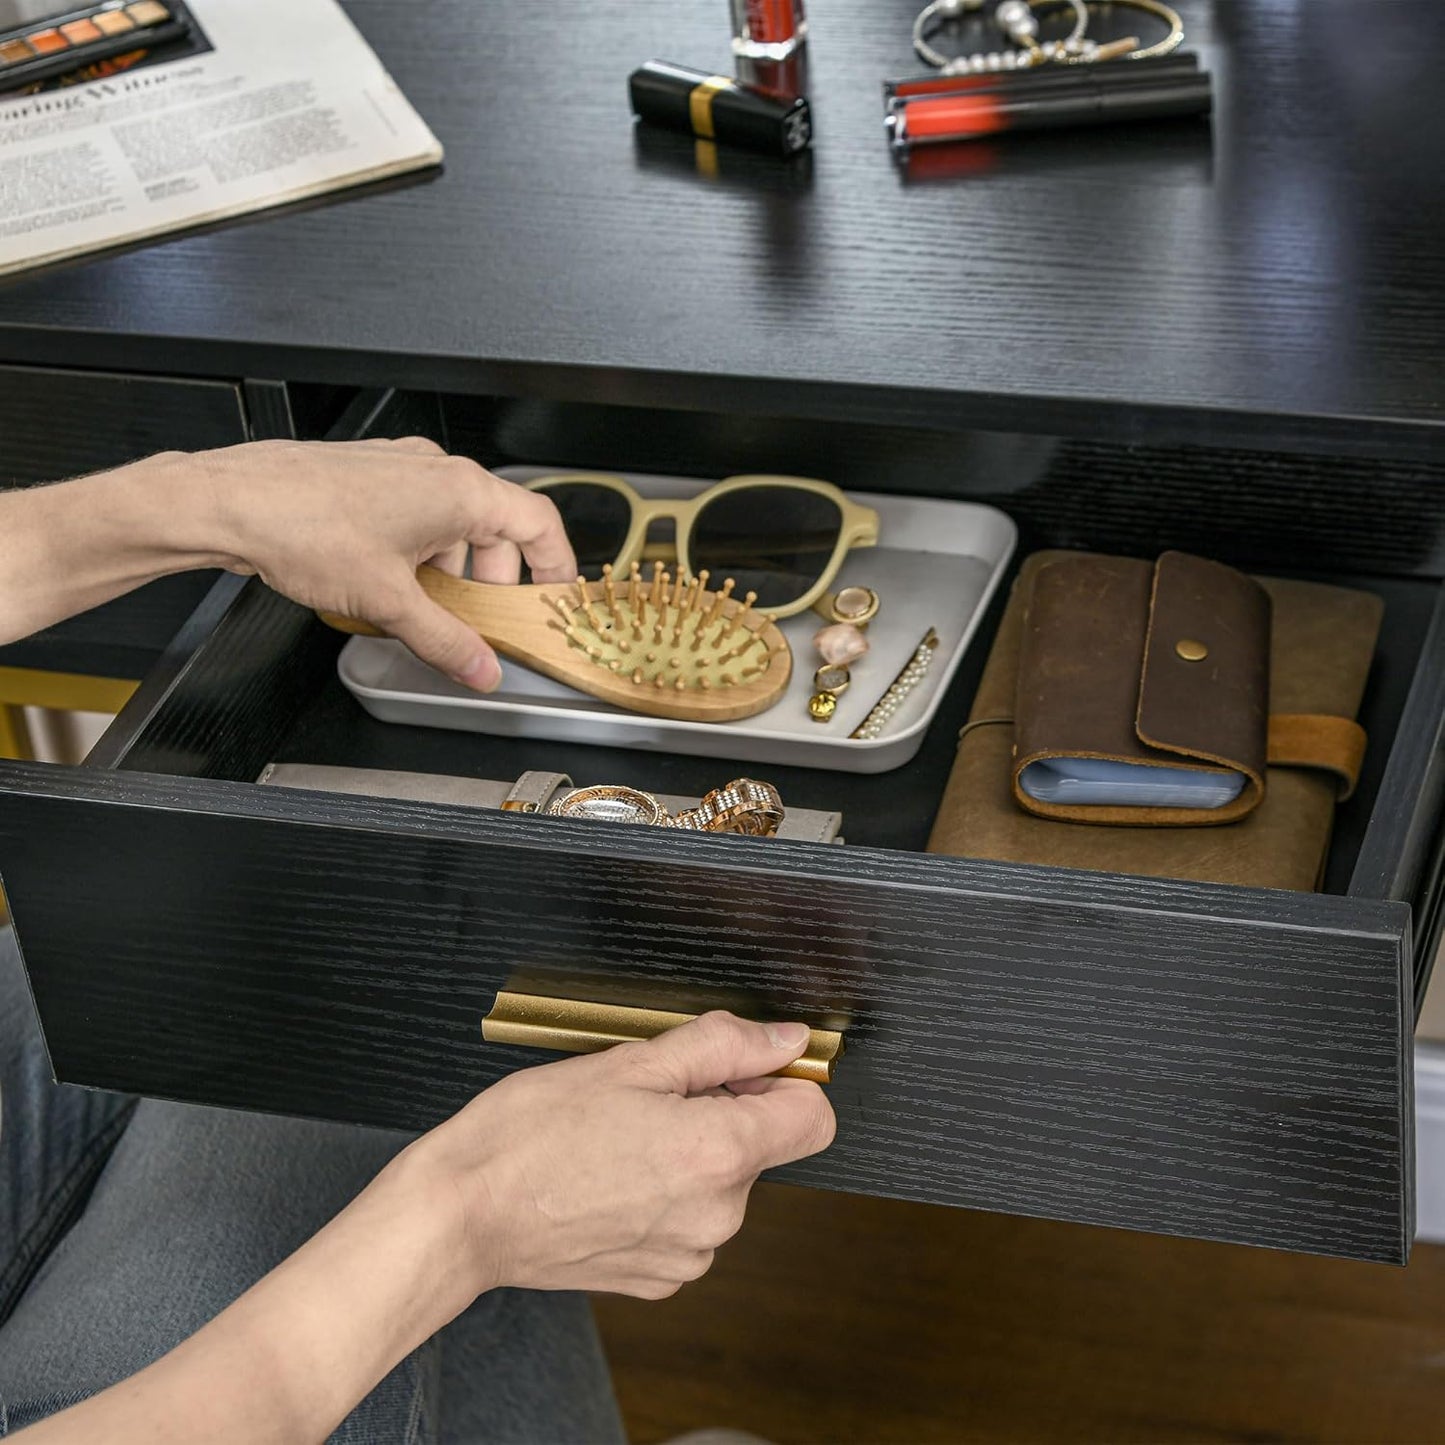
(935, 119)
(1043, 78)
(717, 107)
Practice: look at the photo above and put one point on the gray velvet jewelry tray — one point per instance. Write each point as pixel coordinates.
(938, 565)
(806, 825)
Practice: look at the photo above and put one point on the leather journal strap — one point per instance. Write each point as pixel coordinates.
(1319, 740)
(1324, 741)
(1163, 665)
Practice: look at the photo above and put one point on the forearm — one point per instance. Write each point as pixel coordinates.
(336, 526)
(74, 545)
(295, 1354)
(622, 1171)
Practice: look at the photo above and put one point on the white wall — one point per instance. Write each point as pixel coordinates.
(64, 737)
(1430, 1141)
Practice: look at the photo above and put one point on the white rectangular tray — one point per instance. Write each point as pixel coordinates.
(938, 566)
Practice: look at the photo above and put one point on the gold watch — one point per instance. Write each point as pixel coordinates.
(610, 804)
(744, 806)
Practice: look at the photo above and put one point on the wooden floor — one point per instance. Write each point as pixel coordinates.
(835, 1319)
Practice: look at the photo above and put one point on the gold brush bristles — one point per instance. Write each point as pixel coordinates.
(694, 639)
(662, 645)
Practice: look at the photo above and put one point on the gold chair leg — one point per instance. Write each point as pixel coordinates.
(64, 692)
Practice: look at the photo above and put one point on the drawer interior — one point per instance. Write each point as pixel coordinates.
(1300, 516)
(885, 810)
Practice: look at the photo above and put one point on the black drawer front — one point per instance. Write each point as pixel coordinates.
(57, 424)
(1227, 1063)
(1211, 1062)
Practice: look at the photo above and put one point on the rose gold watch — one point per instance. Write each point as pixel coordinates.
(744, 806)
(611, 804)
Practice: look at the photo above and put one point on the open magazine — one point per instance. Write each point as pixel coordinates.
(234, 123)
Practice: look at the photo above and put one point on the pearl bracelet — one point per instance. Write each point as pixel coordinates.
(1018, 21)
(913, 673)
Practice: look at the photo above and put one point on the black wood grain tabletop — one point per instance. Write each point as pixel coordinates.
(1275, 278)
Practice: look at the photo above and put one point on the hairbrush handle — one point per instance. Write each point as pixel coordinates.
(667, 647)
(442, 588)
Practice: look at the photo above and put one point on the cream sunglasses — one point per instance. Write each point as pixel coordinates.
(782, 537)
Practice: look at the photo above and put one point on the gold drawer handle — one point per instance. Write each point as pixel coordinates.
(575, 1027)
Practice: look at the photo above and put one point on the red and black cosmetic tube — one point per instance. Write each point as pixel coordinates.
(1042, 77)
(767, 23)
(719, 108)
(973, 115)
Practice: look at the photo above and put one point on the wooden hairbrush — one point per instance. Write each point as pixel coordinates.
(667, 647)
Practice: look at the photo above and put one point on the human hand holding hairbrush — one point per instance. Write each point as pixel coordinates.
(342, 527)
(336, 526)
(665, 645)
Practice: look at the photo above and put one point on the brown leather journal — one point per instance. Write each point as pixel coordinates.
(1158, 666)
(1090, 661)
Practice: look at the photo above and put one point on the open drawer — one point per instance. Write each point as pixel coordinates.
(1228, 1063)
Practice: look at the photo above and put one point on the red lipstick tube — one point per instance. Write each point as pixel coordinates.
(768, 29)
(970, 115)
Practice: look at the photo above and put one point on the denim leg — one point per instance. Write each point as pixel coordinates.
(54, 1138)
(192, 1208)
(189, 1209)
(522, 1367)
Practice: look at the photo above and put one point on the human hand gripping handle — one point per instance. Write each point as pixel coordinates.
(625, 1171)
(621, 1171)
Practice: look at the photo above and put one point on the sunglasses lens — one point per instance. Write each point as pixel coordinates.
(776, 541)
(596, 519)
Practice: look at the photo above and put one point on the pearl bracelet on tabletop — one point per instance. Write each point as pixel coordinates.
(1019, 21)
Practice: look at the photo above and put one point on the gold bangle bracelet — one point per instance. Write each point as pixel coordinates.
(1170, 16)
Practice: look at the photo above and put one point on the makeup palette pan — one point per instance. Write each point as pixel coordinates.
(58, 44)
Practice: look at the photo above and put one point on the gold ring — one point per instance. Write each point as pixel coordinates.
(855, 605)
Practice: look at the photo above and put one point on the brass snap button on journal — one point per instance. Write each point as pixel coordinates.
(1191, 650)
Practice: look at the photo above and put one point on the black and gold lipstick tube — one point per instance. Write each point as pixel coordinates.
(717, 107)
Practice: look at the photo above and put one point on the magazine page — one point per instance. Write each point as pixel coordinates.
(243, 125)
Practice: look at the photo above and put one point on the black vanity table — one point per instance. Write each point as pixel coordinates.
(1229, 343)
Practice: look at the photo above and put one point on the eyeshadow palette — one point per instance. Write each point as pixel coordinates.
(59, 43)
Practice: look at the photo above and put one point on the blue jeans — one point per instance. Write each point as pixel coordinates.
(126, 1224)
